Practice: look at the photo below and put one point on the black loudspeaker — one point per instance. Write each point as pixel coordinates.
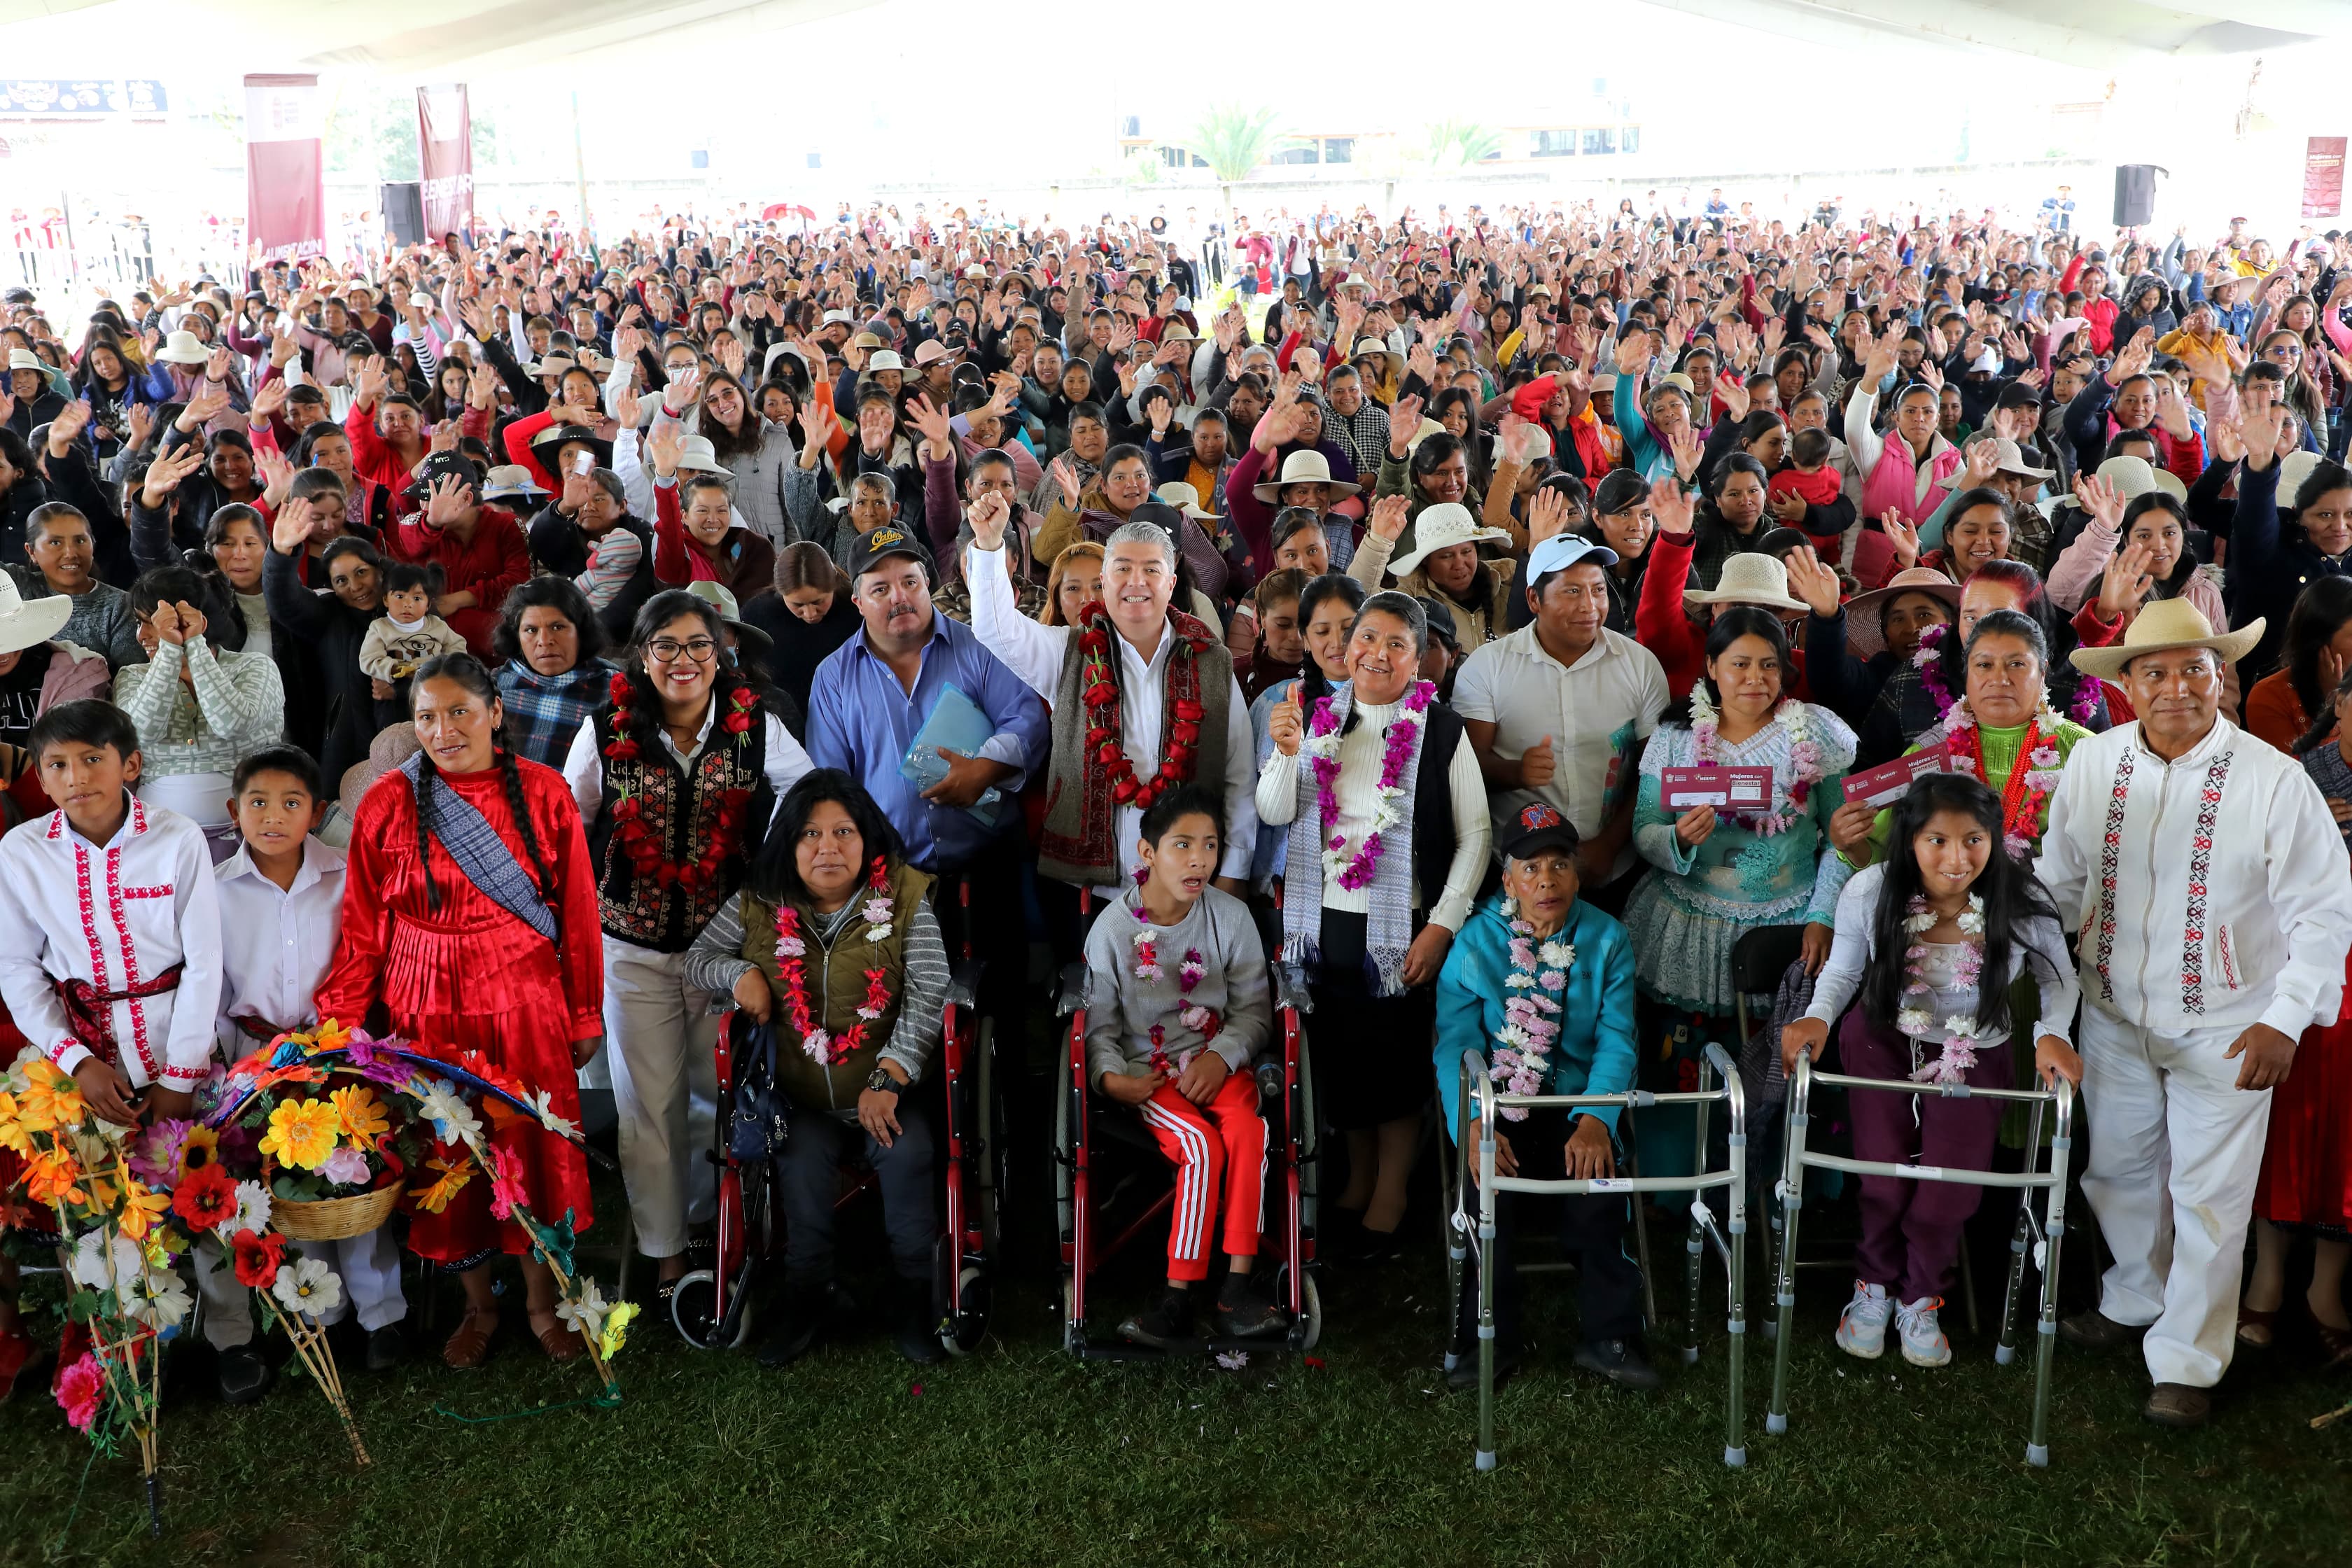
(402, 204)
(2135, 194)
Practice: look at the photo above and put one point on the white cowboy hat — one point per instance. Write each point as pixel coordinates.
(2163, 624)
(1365, 348)
(1441, 527)
(695, 454)
(884, 359)
(2293, 469)
(26, 359)
(1749, 577)
(2011, 459)
(511, 479)
(183, 348)
(28, 623)
(1185, 499)
(1304, 466)
(2133, 476)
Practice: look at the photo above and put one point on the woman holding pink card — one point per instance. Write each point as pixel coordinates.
(1727, 862)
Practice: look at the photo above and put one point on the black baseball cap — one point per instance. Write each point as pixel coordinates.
(438, 465)
(1539, 826)
(872, 549)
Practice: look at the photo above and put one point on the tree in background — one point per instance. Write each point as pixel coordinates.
(1457, 143)
(1234, 140)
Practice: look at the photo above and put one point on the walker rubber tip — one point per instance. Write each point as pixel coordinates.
(1452, 1361)
(2038, 1456)
(1486, 1458)
(1776, 1422)
(1690, 1355)
(1736, 1459)
(2003, 1354)
(1771, 1329)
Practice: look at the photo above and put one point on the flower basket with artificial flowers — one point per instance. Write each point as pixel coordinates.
(332, 1148)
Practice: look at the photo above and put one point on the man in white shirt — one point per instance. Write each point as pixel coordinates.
(281, 905)
(1148, 674)
(2218, 900)
(1558, 711)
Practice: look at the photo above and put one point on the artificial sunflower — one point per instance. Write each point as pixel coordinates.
(51, 1099)
(199, 1151)
(302, 1134)
(359, 1114)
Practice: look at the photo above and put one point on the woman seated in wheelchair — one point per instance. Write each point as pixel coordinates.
(1178, 1003)
(1932, 938)
(833, 942)
(1541, 983)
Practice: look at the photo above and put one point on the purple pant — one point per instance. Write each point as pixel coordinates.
(1911, 1229)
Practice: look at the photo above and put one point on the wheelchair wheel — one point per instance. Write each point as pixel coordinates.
(691, 1310)
(967, 1309)
(1307, 1331)
(990, 1170)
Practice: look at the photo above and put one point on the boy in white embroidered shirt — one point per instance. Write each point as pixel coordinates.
(281, 902)
(109, 924)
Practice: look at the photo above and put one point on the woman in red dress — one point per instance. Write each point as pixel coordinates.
(475, 927)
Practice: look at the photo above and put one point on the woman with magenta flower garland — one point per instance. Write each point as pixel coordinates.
(675, 780)
(833, 942)
(1389, 837)
(1970, 921)
(1723, 873)
(1542, 983)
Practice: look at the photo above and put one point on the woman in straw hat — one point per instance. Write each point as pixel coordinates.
(1444, 564)
(2218, 938)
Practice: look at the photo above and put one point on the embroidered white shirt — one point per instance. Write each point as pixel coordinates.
(117, 916)
(2211, 891)
(276, 945)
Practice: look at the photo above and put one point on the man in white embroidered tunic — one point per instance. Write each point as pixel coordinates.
(2218, 906)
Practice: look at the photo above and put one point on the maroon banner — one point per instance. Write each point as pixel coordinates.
(285, 170)
(2323, 176)
(444, 155)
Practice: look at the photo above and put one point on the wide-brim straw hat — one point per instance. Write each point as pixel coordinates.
(1304, 466)
(1441, 527)
(2163, 624)
(1749, 577)
(1865, 614)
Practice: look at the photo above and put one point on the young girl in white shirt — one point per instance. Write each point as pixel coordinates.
(1931, 940)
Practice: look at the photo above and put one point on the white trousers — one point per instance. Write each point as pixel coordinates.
(2176, 1147)
(658, 1036)
(369, 1266)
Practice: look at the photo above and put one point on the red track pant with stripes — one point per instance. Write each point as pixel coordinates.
(1219, 1152)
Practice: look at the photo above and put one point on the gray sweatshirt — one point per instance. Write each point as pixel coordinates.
(1121, 1008)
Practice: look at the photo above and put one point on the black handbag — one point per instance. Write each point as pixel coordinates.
(756, 1128)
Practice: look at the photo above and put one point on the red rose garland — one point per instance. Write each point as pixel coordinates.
(1105, 734)
(825, 1048)
(638, 840)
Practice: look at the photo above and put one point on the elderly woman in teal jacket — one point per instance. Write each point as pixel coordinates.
(1542, 986)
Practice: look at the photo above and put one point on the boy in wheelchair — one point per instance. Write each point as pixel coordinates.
(1178, 1003)
(1543, 984)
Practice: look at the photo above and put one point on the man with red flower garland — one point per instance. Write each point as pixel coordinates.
(676, 781)
(1144, 699)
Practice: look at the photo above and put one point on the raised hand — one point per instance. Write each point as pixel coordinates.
(1670, 505)
(1903, 537)
(1286, 723)
(1812, 580)
(1389, 516)
(164, 474)
(664, 446)
(2125, 586)
(931, 419)
(988, 517)
(2102, 499)
(292, 526)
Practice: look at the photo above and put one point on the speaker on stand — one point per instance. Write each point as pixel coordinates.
(402, 203)
(2136, 194)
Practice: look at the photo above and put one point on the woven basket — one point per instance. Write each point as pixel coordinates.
(334, 1219)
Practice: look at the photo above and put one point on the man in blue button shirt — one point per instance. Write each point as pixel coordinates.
(870, 700)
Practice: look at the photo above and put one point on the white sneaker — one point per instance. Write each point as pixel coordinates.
(1924, 1343)
(1862, 1328)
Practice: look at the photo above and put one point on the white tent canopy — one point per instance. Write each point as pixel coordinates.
(420, 37)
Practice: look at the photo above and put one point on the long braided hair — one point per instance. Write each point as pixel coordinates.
(466, 670)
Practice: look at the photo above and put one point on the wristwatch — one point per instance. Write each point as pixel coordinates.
(880, 1081)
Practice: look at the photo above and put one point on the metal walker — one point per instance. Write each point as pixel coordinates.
(1730, 1238)
(2042, 1236)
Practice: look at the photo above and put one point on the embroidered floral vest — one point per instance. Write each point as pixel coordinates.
(835, 976)
(682, 810)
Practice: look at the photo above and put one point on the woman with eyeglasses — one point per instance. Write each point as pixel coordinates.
(676, 780)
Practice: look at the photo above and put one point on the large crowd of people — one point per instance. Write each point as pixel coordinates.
(541, 646)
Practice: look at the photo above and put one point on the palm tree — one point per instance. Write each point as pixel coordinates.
(1234, 140)
(1462, 142)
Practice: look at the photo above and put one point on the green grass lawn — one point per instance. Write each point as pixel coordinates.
(1021, 1455)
